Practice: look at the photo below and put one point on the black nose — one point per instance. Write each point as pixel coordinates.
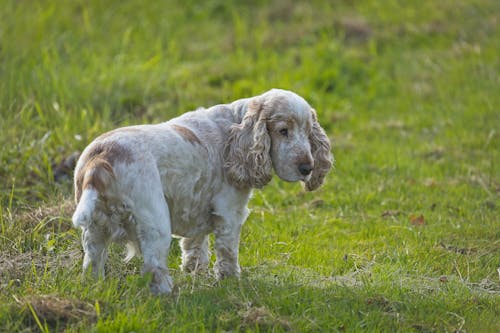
(305, 168)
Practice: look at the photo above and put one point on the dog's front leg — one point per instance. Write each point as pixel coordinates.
(228, 216)
(227, 239)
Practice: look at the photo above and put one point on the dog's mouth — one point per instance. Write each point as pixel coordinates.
(295, 177)
(305, 179)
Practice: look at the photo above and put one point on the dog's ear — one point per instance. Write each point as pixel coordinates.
(320, 150)
(247, 158)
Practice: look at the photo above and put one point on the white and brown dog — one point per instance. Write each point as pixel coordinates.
(192, 176)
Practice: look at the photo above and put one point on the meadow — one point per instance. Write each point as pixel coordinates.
(404, 236)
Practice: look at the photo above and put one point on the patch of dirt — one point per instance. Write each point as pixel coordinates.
(55, 310)
(417, 220)
(250, 317)
(355, 28)
(260, 316)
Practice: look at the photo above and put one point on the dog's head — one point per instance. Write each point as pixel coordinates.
(279, 131)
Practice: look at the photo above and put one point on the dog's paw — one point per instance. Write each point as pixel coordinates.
(161, 282)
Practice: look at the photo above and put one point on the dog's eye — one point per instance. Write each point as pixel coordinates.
(284, 132)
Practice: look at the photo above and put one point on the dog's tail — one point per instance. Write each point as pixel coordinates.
(92, 180)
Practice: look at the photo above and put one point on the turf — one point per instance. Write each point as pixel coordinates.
(403, 236)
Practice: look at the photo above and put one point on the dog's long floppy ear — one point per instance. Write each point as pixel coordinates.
(247, 158)
(320, 150)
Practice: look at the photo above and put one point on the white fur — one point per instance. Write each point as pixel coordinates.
(192, 176)
(83, 213)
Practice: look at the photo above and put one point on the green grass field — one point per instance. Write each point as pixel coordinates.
(405, 233)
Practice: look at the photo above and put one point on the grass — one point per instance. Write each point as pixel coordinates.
(405, 234)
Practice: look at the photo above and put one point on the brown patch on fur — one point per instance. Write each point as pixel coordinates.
(111, 152)
(187, 134)
(78, 186)
(98, 171)
(272, 122)
(98, 175)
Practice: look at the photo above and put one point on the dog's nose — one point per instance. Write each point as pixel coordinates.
(305, 169)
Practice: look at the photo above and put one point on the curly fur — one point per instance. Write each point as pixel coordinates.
(320, 149)
(192, 176)
(246, 154)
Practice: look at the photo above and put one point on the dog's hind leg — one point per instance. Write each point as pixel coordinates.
(195, 253)
(153, 230)
(95, 241)
(154, 241)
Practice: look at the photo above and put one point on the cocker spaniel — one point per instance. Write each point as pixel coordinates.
(192, 176)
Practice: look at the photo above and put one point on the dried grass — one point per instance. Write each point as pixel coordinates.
(16, 266)
(46, 216)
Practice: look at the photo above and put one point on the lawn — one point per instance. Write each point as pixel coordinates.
(403, 236)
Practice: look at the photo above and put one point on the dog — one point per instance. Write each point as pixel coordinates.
(192, 176)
